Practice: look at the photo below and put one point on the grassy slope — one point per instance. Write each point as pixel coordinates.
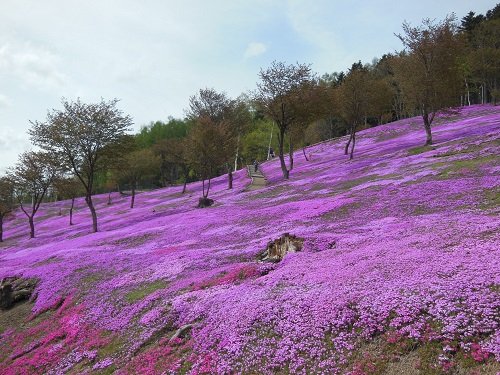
(400, 262)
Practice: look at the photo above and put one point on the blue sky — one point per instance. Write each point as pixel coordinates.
(154, 54)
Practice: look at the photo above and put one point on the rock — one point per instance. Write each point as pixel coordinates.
(205, 202)
(181, 332)
(277, 249)
(14, 290)
(5, 295)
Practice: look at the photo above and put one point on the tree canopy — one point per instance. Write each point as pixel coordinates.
(84, 137)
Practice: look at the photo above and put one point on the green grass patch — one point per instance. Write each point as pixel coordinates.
(461, 167)
(272, 192)
(144, 290)
(422, 210)
(341, 212)
(358, 181)
(495, 288)
(132, 241)
(113, 347)
(419, 150)
(428, 354)
(469, 149)
(52, 259)
(106, 371)
(491, 199)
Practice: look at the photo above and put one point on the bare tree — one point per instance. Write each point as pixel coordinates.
(85, 137)
(429, 72)
(278, 95)
(7, 203)
(32, 176)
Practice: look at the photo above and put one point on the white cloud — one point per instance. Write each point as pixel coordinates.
(33, 66)
(254, 49)
(5, 101)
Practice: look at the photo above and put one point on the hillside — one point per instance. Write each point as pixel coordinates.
(399, 270)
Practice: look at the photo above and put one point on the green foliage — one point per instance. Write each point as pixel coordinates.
(138, 166)
(7, 201)
(156, 131)
(256, 141)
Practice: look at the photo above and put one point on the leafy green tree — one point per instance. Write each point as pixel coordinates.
(219, 111)
(257, 141)
(174, 163)
(470, 22)
(137, 165)
(32, 176)
(483, 57)
(157, 131)
(428, 73)
(7, 202)
(86, 137)
(205, 153)
(278, 95)
(354, 100)
(68, 187)
(316, 103)
(494, 13)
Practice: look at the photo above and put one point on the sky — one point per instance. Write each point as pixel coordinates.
(154, 54)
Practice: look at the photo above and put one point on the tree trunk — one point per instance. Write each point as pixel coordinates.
(237, 153)
(32, 226)
(1, 228)
(186, 175)
(286, 172)
(236, 160)
(109, 198)
(304, 152)
(208, 188)
(229, 177)
(468, 92)
(90, 204)
(132, 201)
(353, 144)
(427, 126)
(346, 150)
(290, 152)
(71, 211)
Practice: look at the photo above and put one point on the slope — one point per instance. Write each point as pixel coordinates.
(400, 262)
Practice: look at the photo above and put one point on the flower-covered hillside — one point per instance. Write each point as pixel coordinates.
(399, 270)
